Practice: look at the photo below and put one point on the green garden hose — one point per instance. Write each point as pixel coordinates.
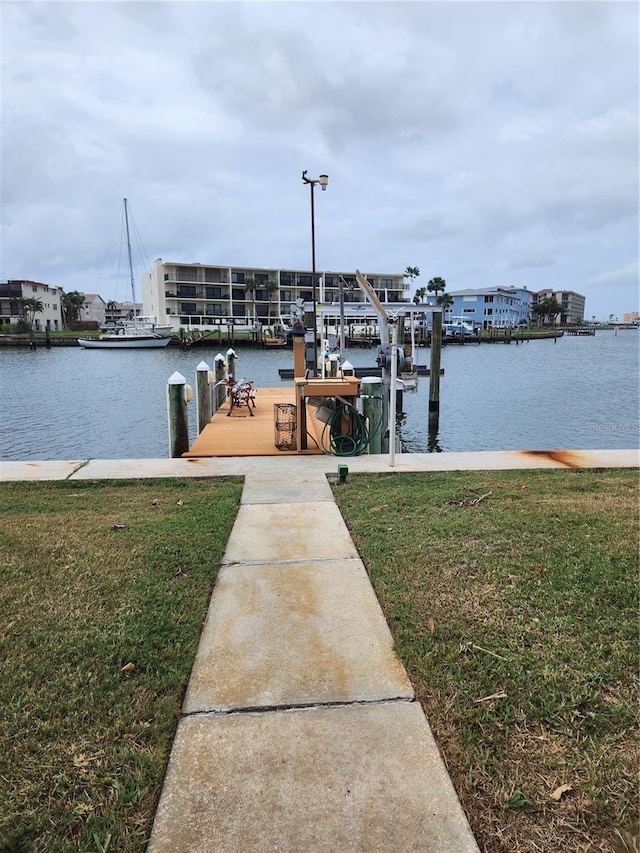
(346, 445)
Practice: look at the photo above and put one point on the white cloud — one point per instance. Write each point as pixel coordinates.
(475, 140)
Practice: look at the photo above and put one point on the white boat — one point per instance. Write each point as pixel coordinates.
(138, 333)
(458, 325)
(126, 340)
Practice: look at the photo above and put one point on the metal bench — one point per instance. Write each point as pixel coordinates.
(241, 394)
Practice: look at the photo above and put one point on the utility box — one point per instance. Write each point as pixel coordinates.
(285, 417)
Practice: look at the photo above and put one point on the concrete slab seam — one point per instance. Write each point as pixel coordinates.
(311, 706)
(77, 468)
(292, 562)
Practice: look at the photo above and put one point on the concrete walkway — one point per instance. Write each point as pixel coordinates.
(299, 729)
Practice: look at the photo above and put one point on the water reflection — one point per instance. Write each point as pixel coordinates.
(433, 443)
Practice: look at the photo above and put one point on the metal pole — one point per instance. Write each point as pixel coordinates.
(313, 283)
(220, 392)
(341, 318)
(392, 400)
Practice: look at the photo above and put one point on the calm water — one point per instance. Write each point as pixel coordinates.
(71, 403)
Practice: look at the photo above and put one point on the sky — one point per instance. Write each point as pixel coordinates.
(488, 143)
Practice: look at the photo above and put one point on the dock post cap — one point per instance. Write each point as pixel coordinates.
(203, 366)
(176, 379)
(231, 351)
(219, 357)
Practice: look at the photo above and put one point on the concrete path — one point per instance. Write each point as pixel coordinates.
(299, 729)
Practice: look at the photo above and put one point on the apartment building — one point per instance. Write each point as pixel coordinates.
(197, 295)
(572, 305)
(121, 312)
(50, 296)
(492, 307)
(93, 309)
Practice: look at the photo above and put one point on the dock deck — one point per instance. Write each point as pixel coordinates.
(239, 434)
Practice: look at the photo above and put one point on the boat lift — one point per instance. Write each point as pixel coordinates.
(388, 352)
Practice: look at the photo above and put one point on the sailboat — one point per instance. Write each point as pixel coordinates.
(138, 333)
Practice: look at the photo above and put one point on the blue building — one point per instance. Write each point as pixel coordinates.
(491, 307)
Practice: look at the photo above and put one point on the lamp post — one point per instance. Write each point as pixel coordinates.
(323, 180)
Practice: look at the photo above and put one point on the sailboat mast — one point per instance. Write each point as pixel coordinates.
(133, 288)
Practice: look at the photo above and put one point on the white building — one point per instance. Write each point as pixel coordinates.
(93, 309)
(208, 295)
(50, 296)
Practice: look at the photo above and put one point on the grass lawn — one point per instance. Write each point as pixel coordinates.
(517, 620)
(103, 590)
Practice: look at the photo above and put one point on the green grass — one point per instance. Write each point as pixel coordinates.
(98, 632)
(517, 620)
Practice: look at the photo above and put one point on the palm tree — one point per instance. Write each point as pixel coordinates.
(411, 273)
(72, 302)
(420, 294)
(436, 285)
(271, 287)
(29, 307)
(446, 300)
(250, 285)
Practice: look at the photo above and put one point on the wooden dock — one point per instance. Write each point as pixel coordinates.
(240, 434)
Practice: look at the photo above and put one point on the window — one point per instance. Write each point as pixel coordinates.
(189, 308)
(488, 299)
(304, 280)
(386, 282)
(214, 292)
(285, 295)
(328, 280)
(261, 277)
(286, 278)
(166, 276)
(488, 311)
(238, 294)
(237, 277)
(262, 295)
(186, 290)
(214, 311)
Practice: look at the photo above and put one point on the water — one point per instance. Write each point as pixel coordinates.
(579, 392)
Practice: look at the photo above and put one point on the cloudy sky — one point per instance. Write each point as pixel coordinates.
(490, 143)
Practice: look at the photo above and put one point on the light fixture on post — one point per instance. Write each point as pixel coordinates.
(323, 180)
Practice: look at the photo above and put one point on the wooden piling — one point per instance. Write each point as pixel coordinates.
(203, 396)
(178, 395)
(232, 358)
(434, 376)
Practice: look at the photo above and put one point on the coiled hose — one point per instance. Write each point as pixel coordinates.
(345, 445)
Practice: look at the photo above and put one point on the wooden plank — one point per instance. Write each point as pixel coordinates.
(242, 435)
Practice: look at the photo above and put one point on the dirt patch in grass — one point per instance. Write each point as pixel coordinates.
(517, 620)
(103, 592)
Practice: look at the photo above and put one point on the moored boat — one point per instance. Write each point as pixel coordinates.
(138, 333)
